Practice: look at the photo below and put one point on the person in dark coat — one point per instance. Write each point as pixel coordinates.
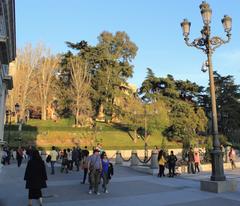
(35, 176)
(172, 159)
(19, 156)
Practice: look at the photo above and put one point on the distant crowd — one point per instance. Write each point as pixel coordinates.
(192, 158)
(96, 167)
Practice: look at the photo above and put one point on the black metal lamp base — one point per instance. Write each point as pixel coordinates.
(217, 166)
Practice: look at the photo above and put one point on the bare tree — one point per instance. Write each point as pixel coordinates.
(23, 77)
(32, 73)
(80, 90)
(45, 74)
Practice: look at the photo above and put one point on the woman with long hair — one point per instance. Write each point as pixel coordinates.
(35, 176)
(161, 163)
(105, 168)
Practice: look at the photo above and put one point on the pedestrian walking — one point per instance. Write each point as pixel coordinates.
(232, 157)
(95, 169)
(196, 161)
(75, 158)
(14, 154)
(64, 161)
(223, 152)
(69, 157)
(35, 177)
(105, 171)
(54, 156)
(84, 163)
(172, 159)
(29, 152)
(19, 156)
(190, 156)
(161, 163)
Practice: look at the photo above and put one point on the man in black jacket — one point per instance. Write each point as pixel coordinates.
(172, 159)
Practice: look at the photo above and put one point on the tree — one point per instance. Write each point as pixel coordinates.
(188, 91)
(45, 74)
(80, 90)
(62, 85)
(186, 122)
(149, 88)
(154, 88)
(131, 115)
(227, 98)
(110, 65)
(24, 77)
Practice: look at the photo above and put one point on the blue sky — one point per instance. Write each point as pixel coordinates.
(154, 26)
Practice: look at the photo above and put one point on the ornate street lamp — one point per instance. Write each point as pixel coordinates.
(208, 44)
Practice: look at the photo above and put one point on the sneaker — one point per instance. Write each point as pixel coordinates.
(106, 191)
(90, 192)
(98, 193)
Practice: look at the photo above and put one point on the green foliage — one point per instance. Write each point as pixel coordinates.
(227, 97)
(154, 87)
(223, 139)
(208, 148)
(110, 66)
(164, 144)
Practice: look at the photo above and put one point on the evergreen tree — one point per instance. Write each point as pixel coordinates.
(228, 106)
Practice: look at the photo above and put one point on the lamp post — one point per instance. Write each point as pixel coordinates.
(208, 44)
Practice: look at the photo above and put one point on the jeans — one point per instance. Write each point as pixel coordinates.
(197, 167)
(52, 166)
(171, 170)
(85, 170)
(191, 167)
(161, 171)
(76, 162)
(105, 181)
(19, 161)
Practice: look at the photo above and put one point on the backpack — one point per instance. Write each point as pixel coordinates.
(48, 159)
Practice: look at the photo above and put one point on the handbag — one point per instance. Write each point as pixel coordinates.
(48, 159)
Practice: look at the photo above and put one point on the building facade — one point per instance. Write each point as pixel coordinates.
(7, 55)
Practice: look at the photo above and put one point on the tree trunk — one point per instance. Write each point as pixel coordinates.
(135, 136)
(76, 118)
(44, 112)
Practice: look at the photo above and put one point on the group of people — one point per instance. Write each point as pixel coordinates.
(96, 166)
(166, 161)
(193, 160)
(15, 154)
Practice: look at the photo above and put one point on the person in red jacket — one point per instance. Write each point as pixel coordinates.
(196, 161)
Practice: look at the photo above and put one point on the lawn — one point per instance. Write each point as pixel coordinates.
(62, 134)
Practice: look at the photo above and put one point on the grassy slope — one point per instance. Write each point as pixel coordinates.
(62, 134)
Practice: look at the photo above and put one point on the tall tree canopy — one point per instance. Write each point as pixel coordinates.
(110, 66)
(227, 97)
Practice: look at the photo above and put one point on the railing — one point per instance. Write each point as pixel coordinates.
(145, 161)
(125, 160)
(134, 159)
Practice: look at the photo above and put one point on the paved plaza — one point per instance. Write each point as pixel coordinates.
(128, 187)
